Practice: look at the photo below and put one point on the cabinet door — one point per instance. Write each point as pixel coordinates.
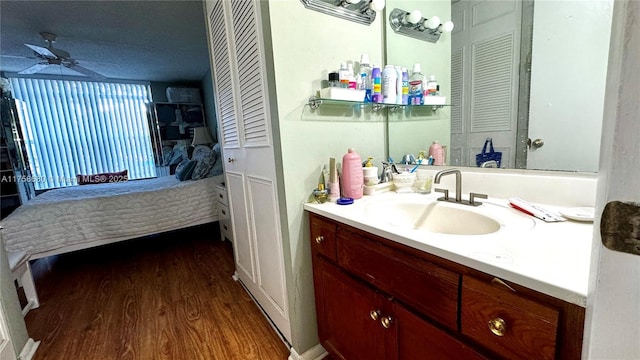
(418, 339)
(351, 316)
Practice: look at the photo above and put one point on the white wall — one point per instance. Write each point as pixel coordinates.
(568, 73)
(612, 326)
(306, 46)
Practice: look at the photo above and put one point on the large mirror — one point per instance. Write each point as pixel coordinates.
(529, 74)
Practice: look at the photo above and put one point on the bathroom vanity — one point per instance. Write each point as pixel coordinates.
(386, 289)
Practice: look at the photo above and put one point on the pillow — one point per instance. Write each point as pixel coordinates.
(179, 154)
(185, 169)
(217, 167)
(204, 166)
(101, 178)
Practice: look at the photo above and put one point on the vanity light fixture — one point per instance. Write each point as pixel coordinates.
(414, 25)
(360, 11)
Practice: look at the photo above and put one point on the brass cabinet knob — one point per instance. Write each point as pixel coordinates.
(498, 326)
(386, 322)
(319, 239)
(375, 314)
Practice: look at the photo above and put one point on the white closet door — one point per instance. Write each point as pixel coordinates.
(485, 56)
(250, 168)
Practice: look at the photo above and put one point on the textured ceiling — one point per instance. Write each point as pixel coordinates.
(134, 40)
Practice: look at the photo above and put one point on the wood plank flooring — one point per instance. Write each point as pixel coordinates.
(169, 296)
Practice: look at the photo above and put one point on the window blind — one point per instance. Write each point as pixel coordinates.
(78, 127)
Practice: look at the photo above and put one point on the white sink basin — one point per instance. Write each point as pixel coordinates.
(445, 218)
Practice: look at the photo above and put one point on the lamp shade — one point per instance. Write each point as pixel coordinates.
(201, 136)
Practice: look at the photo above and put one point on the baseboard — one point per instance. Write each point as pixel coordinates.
(315, 353)
(29, 349)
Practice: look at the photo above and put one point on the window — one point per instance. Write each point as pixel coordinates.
(77, 127)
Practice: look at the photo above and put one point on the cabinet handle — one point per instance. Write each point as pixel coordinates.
(498, 326)
(386, 322)
(319, 239)
(375, 314)
(230, 160)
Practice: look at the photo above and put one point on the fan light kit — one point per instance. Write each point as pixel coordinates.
(52, 56)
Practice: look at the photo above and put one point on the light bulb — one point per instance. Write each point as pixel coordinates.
(447, 26)
(377, 5)
(414, 17)
(432, 23)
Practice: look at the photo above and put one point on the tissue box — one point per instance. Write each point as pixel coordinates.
(434, 100)
(336, 93)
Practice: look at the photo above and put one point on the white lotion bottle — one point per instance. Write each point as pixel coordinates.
(398, 85)
(389, 79)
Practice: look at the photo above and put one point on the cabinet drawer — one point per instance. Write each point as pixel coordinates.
(323, 238)
(507, 323)
(225, 222)
(420, 284)
(222, 195)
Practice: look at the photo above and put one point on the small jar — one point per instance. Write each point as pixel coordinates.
(334, 79)
(423, 182)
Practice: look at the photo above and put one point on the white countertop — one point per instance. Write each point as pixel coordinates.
(552, 258)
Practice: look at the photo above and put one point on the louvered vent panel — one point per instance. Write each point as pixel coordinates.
(457, 76)
(254, 124)
(491, 84)
(222, 75)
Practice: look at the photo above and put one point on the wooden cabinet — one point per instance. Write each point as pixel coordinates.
(377, 299)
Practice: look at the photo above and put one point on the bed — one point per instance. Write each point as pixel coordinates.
(80, 217)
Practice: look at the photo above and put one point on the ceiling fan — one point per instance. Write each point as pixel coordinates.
(55, 57)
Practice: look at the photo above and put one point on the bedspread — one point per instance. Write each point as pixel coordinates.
(78, 217)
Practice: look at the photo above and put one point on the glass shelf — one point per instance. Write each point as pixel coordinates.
(315, 102)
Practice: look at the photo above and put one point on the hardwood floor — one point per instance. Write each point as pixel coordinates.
(164, 297)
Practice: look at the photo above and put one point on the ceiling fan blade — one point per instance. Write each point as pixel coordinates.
(34, 69)
(85, 71)
(41, 50)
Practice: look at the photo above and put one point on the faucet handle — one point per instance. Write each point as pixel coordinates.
(445, 192)
(473, 196)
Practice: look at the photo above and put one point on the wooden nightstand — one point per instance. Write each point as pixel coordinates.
(226, 232)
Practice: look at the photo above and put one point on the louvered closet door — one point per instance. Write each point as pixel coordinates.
(244, 119)
(485, 57)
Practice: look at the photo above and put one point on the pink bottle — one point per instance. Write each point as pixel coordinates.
(437, 152)
(352, 175)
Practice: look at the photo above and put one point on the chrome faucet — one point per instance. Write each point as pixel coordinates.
(458, 199)
(489, 164)
(442, 173)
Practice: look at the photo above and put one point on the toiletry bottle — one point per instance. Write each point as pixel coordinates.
(415, 86)
(334, 79)
(351, 77)
(436, 151)
(405, 86)
(389, 77)
(344, 75)
(365, 74)
(432, 86)
(398, 85)
(376, 78)
(334, 184)
(352, 175)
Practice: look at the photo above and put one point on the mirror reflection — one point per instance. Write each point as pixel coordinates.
(530, 75)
